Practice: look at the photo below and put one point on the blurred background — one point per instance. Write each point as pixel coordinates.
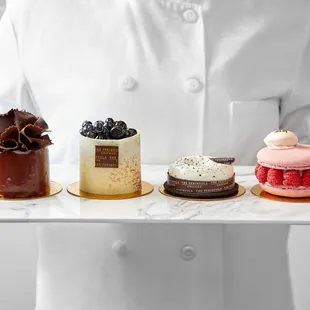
(2, 5)
(18, 256)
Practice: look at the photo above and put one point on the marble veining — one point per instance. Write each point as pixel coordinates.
(154, 207)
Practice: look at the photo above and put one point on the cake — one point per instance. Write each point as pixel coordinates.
(201, 177)
(24, 160)
(283, 166)
(110, 161)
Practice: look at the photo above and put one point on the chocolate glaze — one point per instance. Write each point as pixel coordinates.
(24, 174)
(200, 189)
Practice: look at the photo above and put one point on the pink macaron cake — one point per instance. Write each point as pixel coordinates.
(283, 166)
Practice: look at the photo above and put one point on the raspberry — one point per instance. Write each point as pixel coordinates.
(262, 174)
(256, 168)
(306, 178)
(275, 177)
(292, 178)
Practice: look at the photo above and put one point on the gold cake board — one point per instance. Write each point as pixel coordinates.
(241, 191)
(259, 192)
(55, 189)
(74, 189)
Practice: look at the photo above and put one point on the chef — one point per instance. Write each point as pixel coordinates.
(195, 77)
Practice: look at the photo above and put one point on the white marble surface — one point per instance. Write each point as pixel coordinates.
(154, 207)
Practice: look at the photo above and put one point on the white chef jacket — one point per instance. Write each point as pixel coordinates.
(195, 77)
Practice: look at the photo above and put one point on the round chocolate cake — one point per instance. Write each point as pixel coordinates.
(201, 177)
(24, 160)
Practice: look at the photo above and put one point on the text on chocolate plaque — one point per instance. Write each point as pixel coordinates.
(106, 156)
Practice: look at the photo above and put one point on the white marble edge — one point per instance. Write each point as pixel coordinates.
(153, 208)
(157, 221)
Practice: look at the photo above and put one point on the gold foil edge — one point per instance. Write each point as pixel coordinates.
(74, 189)
(259, 192)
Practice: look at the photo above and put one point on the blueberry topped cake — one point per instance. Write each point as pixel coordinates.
(110, 161)
(201, 177)
(24, 160)
(109, 129)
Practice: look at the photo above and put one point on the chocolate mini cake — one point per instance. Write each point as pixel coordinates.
(24, 161)
(201, 177)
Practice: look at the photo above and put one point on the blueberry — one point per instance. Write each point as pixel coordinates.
(91, 134)
(117, 132)
(121, 124)
(104, 134)
(81, 132)
(109, 119)
(127, 134)
(132, 132)
(105, 131)
(87, 128)
(109, 123)
(86, 123)
(99, 126)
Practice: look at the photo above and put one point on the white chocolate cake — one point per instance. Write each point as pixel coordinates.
(110, 166)
(201, 177)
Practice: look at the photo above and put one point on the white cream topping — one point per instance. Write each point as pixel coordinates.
(281, 139)
(200, 168)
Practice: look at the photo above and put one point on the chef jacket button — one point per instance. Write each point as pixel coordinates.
(193, 85)
(128, 83)
(190, 16)
(188, 253)
(119, 247)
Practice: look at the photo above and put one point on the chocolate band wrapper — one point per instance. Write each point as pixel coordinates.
(187, 186)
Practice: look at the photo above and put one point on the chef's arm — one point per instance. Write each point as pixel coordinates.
(295, 109)
(13, 89)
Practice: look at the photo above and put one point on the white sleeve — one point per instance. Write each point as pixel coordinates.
(13, 86)
(295, 108)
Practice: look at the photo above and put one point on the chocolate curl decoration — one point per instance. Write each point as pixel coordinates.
(40, 122)
(10, 133)
(6, 120)
(23, 119)
(31, 137)
(9, 139)
(8, 145)
(23, 131)
(224, 160)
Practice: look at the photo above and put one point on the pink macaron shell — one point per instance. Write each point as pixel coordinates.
(294, 158)
(286, 192)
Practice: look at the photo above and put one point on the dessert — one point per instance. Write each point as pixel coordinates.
(24, 161)
(201, 177)
(109, 158)
(283, 166)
